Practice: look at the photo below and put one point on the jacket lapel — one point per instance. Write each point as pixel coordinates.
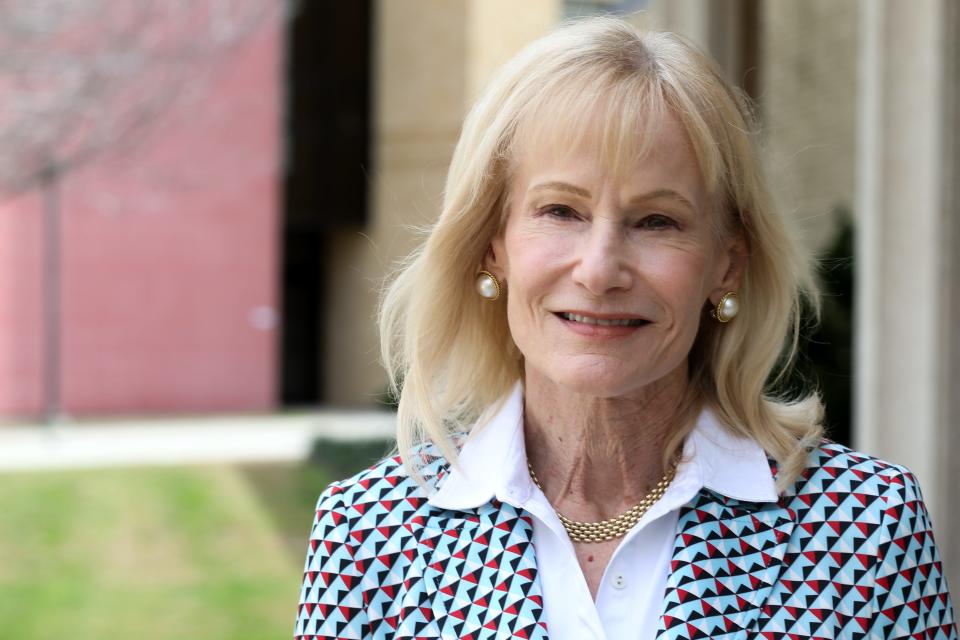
(480, 575)
(727, 556)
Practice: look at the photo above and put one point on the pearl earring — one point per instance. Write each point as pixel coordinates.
(727, 308)
(488, 286)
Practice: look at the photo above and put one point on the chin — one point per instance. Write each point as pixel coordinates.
(596, 382)
(598, 376)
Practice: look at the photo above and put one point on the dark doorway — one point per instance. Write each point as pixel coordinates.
(327, 132)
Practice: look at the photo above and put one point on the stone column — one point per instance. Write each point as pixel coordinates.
(907, 278)
(726, 29)
(949, 470)
(431, 60)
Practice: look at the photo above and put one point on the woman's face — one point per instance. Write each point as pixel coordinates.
(607, 277)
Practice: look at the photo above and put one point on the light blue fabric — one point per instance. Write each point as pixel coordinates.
(848, 552)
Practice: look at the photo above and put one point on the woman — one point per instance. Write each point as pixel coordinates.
(587, 445)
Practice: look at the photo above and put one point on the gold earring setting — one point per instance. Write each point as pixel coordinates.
(488, 286)
(727, 308)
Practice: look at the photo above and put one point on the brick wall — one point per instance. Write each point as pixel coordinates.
(169, 259)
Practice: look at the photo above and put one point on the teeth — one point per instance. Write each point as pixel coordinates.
(619, 322)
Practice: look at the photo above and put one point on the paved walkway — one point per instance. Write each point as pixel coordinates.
(171, 441)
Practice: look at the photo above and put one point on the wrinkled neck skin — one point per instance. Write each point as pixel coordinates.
(597, 457)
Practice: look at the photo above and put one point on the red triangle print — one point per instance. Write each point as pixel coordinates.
(723, 546)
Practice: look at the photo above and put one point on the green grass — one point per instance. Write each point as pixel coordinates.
(156, 553)
(290, 493)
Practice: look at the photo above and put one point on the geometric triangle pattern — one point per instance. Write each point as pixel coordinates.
(847, 552)
(384, 563)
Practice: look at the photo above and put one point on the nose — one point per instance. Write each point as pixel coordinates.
(602, 264)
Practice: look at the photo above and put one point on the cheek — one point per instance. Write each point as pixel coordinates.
(679, 278)
(533, 259)
(535, 271)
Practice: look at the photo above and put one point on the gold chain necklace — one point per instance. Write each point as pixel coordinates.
(618, 526)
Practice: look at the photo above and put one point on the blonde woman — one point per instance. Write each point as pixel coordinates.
(588, 447)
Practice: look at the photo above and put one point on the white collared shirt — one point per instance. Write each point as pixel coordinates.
(493, 463)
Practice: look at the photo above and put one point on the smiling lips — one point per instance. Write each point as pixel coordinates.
(596, 326)
(602, 322)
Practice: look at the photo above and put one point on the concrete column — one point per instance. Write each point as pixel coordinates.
(690, 18)
(949, 470)
(432, 58)
(906, 382)
(418, 90)
(497, 29)
(726, 29)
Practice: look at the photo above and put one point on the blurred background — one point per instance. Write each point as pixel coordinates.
(199, 201)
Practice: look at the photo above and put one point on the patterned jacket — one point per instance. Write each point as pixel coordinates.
(848, 552)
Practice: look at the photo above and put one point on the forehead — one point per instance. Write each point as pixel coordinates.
(653, 154)
(611, 121)
(615, 118)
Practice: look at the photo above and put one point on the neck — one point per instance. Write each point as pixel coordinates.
(597, 457)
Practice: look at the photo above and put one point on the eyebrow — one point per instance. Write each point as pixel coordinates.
(663, 193)
(561, 186)
(585, 193)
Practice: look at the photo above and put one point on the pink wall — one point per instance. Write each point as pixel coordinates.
(21, 329)
(170, 260)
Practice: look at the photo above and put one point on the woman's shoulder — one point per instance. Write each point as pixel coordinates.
(845, 478)
(833, 460)
(386, 482)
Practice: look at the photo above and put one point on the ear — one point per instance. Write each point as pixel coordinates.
(495, 259)
(732, 262)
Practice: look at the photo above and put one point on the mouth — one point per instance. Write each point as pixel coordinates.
(601, 321)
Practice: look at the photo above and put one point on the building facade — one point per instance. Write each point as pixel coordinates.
(168, 260)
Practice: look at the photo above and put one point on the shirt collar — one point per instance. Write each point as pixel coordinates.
(730, 464)
(488, 459)
(493, 461)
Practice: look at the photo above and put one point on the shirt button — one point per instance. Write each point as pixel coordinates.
(619, 582)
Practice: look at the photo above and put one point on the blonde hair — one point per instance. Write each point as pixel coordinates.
(449, 352)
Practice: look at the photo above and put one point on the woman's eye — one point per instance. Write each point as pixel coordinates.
(657, 222)
(559, 211)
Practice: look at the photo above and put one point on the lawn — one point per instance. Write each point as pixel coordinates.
(160, 552)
